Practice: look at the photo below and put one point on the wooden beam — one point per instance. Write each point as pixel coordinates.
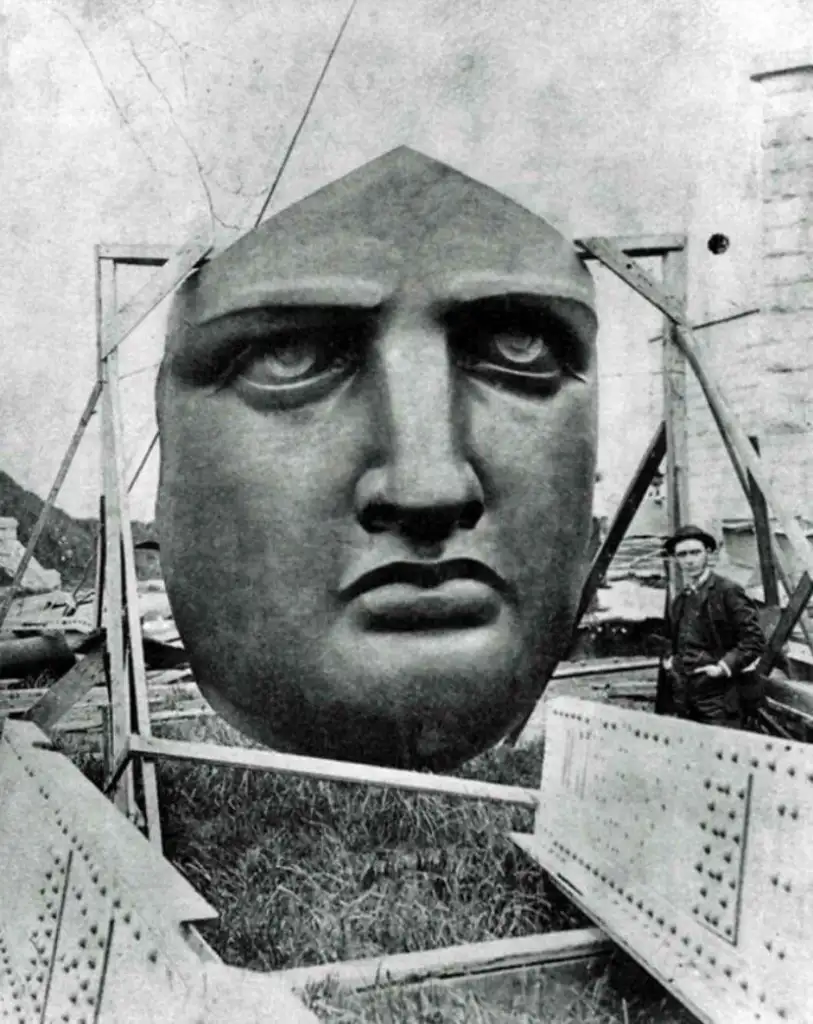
(61, 696)
(467, 961)
(641, 246)
(137, 255)
(137, 673)
(604, 667)
(45, 511)
(762, 531)
(625, 513)
(740, 451)
(125, 320)
(331, 771)
(786, 576)
(674, 399)
(113, 607)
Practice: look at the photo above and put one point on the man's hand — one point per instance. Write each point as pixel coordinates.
(712, 671)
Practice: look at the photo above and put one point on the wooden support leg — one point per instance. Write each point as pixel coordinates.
(630, 503)
(137, 674)
(787, 621)
(762, 530)
(674, 399)
(120, 721)
(786, 577)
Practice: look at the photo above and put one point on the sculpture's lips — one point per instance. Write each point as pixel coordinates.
(455, 594)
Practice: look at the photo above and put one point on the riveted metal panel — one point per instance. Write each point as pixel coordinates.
(689, 844)
(91, 915)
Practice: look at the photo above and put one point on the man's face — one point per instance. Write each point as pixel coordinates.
(378, 429)
(692, 557)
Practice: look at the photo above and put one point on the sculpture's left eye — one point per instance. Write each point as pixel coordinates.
(513, 344)
(528, 352)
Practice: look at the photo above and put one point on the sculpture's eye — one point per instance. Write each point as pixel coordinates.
(515, 343)
(298, 360)
(524, 352)
(287, 360)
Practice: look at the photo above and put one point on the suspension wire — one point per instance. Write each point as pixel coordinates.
(304, 117)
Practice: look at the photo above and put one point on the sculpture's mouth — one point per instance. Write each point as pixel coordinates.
(460, 593)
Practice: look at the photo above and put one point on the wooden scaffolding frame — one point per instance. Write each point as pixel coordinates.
(131, 748)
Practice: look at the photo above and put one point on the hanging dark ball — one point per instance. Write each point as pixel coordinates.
(718, 243)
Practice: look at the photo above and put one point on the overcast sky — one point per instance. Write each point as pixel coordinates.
(129, 120)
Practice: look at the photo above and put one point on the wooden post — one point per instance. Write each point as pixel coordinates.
(674, 407)
(674, 398)
(762, 531)
(120, 723)
(136, 676)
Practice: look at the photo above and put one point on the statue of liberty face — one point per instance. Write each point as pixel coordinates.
(378, 432)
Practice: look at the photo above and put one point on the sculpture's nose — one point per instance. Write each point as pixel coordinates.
(424, 485)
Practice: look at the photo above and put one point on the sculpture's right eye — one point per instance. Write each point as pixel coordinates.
(296, 361)
(291, 357)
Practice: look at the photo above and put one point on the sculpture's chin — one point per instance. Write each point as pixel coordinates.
(405, 731)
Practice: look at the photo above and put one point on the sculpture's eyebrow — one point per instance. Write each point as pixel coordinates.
(461, 289)
(311, 293)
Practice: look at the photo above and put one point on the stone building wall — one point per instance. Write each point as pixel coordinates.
(763, 362)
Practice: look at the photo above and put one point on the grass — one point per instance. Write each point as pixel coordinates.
(306, 872)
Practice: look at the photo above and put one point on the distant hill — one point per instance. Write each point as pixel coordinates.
(66, 544)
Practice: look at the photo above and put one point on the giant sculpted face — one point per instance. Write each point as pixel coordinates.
(378, 428)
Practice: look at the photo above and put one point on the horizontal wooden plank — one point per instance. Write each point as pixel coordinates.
(641, 246)
(603, 667)
(469, 960)
(137, 255)
(22, 700)
(85, 724)
(331, 771)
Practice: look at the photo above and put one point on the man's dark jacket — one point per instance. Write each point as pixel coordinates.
(731, 634)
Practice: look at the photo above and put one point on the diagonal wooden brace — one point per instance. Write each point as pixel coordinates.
(787, 621)
(630, 503)
(72, 687)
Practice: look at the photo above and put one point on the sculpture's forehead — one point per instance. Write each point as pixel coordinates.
(399, 220)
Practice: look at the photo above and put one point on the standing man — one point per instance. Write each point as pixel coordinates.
(715, 636)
